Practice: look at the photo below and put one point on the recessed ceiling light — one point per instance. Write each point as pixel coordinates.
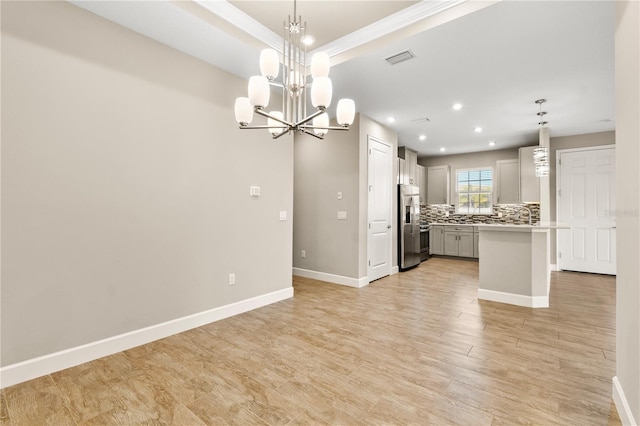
(442, 149)
(457, 107)
(492, 143)
(422, 137)
(391, 119)
(308, 40)
(477, 129)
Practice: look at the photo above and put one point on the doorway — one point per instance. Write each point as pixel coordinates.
(380, 198)
(586, 181)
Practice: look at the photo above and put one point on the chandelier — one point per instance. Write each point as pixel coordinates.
(541, 152)
(294, 84)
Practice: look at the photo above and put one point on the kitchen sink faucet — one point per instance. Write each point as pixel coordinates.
(527, 209)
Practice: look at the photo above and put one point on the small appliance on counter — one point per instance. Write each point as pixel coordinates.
(408, 226)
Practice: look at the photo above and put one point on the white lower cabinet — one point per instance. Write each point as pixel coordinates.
(436, 240)
(458, 241)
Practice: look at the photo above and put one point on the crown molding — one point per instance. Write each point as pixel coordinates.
(244, 22)
(376, 30)
(388, 25)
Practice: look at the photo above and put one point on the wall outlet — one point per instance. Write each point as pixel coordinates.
(303, 254)
(254, 191)
(232, 279)
(342, 215)
(499, 214)
(339, 195)
(446, 214)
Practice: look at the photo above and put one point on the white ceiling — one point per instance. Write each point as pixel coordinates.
(496, 58)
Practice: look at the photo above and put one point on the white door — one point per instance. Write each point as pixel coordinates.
(380, 202)
(586, 201)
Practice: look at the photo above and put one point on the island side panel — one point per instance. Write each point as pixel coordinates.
(505, 261)
(541, 265)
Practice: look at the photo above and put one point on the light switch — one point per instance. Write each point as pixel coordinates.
(254, 191)
(283, 215)
(342, 215)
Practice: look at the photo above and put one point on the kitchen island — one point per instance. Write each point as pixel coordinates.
(514, 264)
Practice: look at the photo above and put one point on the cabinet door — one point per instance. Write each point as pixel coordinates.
(465, 244)
(476, 245)
(411, 160)
(422, 183)
(438, 178)
(529, 183)
(451, 243)
(508, 181)
(436, 240)
(401, 171)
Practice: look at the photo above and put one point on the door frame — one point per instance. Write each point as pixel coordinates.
(391, 181)
(559, 153)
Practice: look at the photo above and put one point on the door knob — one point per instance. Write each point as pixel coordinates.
(388, 226)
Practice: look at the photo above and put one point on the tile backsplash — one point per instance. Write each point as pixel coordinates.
(511, 213)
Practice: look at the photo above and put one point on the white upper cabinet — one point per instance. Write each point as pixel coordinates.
(422, 183)
(508, 181)
(438, 181)
(402, 174)
(529, 183)
(410, 164)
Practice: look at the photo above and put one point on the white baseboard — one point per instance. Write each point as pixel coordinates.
(554, 267)
(47, 364)
(394, 270)
(331, 278)
(514, 299)
(624, 411)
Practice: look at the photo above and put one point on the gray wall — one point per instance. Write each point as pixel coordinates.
(466, 161)
(627, 54)
(125, 184)
(569, 142)
(322, 169)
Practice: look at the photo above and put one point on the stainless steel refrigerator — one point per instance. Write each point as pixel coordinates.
(408, 226)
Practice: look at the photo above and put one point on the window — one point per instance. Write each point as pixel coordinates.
(473, 189)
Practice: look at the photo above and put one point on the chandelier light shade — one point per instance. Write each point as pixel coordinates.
(346, 112)
(275, 124)
(259, 91)
(321, 124)
(269, 64)
(321, 92)
(288, 70)
(244, 111)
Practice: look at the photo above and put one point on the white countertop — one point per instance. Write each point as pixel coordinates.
(509, 227)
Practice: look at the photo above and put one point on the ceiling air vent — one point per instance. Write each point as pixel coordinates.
(400, 57)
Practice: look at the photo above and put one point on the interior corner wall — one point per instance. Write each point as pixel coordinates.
(125, 185)
(322, 168)
(569, 142)
(627, 64)
(334, 249)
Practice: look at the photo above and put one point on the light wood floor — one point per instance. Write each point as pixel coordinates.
(414, 348)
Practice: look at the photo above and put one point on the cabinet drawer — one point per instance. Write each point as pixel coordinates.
(459, 228)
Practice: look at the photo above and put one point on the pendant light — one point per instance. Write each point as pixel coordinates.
(541, 152)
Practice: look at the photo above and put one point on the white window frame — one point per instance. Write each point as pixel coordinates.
(457, 194)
